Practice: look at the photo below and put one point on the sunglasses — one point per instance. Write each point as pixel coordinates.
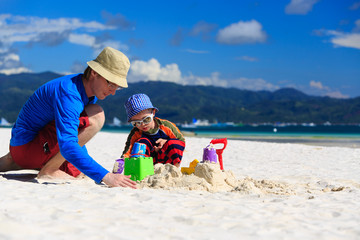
(146, 120)
(113, 86)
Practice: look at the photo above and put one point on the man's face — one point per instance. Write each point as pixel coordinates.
(101, 87)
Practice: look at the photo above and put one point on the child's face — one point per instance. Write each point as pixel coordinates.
(142, 116)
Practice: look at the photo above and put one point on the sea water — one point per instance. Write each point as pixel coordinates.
(317, 131)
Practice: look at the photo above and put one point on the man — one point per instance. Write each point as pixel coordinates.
(61, 116)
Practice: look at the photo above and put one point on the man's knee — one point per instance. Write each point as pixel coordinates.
(96, 115)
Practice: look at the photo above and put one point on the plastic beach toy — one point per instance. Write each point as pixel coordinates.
(119, 166)
(209, 154)
(191, 169)
(219, 151)
(138, 166)
(138, 150)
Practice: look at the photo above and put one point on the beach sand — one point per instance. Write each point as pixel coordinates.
(267, 191)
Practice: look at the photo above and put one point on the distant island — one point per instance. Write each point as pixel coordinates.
(188, 104)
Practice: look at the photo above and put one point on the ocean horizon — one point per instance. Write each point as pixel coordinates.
(326, 131)
(322, 135)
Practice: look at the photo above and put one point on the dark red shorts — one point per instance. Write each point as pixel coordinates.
(36, 153)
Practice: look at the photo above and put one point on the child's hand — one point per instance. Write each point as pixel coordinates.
(159, 144)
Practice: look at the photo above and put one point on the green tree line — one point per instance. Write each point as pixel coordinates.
(181, 104)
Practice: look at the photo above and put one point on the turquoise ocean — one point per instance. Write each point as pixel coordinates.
(328, 135)
(317, 131)
(325, 135)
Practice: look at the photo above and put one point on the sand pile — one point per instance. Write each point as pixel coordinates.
(209, 177)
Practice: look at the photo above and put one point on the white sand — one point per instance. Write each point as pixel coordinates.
(280, 191)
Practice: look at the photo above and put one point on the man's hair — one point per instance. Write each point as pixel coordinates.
(87, 73)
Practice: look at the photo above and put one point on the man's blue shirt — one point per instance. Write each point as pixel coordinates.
(62, 99)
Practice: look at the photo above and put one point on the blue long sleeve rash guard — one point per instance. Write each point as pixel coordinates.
(62, 99)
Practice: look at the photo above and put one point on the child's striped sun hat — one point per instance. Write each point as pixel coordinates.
(137, 103)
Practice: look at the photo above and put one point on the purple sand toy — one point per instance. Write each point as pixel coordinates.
(119, 166)
(209, 154)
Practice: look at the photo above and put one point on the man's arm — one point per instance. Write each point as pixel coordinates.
(67, 108)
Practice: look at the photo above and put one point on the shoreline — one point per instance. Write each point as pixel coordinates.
(325, 141)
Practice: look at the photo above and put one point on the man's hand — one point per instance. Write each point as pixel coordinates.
(119, 180)
(160, 143)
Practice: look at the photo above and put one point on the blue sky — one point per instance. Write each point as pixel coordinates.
(310, 45)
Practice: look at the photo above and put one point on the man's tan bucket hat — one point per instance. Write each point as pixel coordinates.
(112, 65)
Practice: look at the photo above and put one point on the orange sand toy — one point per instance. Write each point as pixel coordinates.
(191, 169)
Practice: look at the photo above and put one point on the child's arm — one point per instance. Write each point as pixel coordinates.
(132, 138)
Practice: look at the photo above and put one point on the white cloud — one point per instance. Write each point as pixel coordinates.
(9, 71)
(49, 32)
(152, 71)
(253, 84)
(242, 33)
(91, 41)
(212, 80)
(247, 58)
(317, 85)
(350, 40)
(300, 7)
(318, 88)
(336, 94)
(10, 63)
(82, 39)
(343, 39)
(11, 57)
(196, 51)
(27, 29)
